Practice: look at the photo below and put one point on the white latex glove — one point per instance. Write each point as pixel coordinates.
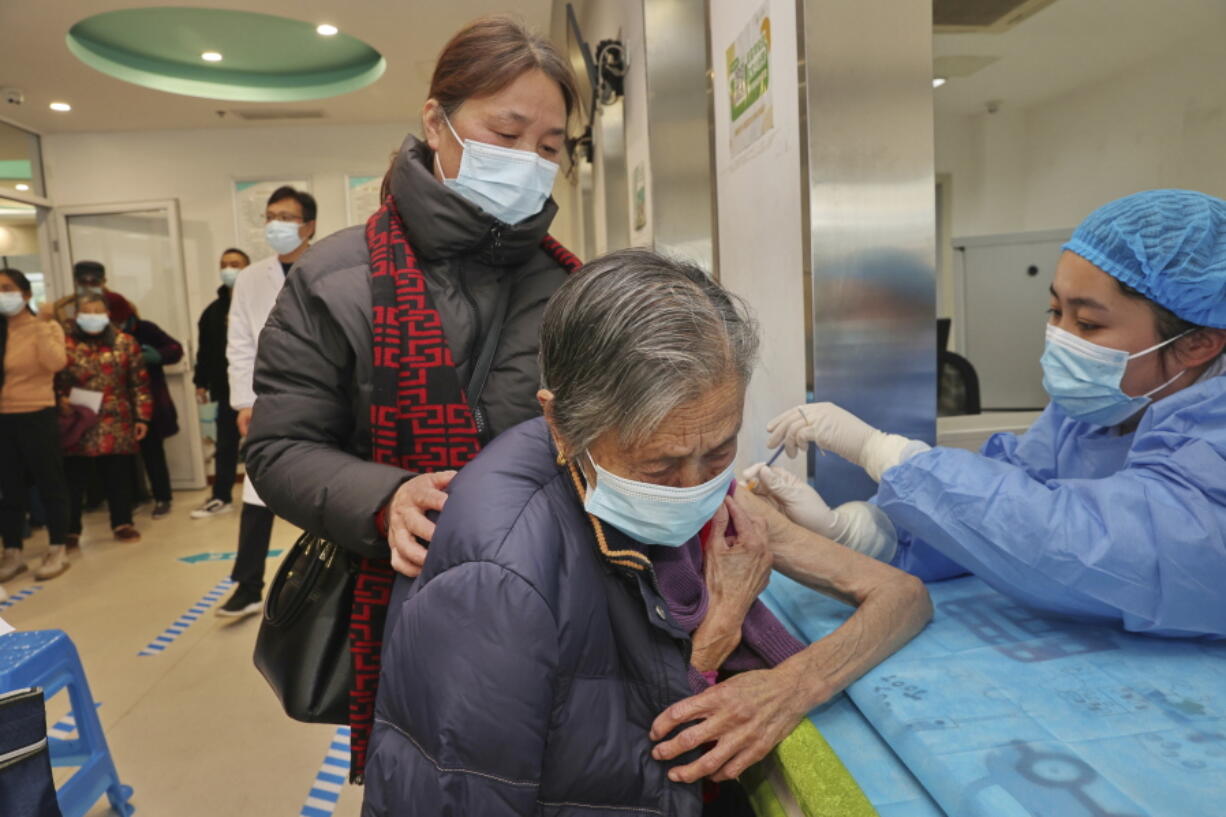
(858, 525)
(835, 429)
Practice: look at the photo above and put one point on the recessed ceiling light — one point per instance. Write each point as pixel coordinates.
(61, 106)
(211, 56)
(327, 30)
(23, 187)
(937, 82)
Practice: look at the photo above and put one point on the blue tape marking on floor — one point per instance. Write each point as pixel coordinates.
(180, 624)
(19, 596)
(333, 773)
(66, 727)
(225, 556)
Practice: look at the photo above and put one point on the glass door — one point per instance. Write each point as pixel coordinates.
(141, 247)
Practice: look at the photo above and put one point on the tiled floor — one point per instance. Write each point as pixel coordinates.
(193, 729)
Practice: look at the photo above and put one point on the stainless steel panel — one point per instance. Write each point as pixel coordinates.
(868, 99)
(610, 141)
(678, 109)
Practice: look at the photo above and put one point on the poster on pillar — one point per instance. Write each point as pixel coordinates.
(361, 198)
(748, 60)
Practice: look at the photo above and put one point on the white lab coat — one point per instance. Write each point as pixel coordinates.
(251, 302)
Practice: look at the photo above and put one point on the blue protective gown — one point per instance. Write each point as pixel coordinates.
(1079, 520)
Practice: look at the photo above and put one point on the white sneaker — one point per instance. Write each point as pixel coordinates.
(212, 508)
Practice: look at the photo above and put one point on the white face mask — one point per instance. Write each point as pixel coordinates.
(92, 323)
(655, 514)
(511, 185)
(11, 303)
(283, 236)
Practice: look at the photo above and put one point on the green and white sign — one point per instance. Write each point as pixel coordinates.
(748, 61)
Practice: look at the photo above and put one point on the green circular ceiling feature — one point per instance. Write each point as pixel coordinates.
(265, 58)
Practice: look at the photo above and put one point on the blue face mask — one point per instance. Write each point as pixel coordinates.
(229, 275)
(92, 323)
(283, 236)
(510, 185)
(655, 514)
(1083, 378)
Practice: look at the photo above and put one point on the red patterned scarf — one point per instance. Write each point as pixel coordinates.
(420, 421)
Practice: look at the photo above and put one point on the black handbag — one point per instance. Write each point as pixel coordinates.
(26, 785)
(302, 649)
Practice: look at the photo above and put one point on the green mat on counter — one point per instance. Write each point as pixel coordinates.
(803, 777)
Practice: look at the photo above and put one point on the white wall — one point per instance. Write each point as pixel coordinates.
(198, 167)
(1161, 123)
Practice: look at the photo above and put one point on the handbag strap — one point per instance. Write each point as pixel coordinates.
(481, 369)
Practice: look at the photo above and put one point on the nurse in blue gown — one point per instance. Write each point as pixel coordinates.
(1112, 507)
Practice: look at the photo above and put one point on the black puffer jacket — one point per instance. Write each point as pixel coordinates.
(309, 446)
(523, 673)
(211, 364)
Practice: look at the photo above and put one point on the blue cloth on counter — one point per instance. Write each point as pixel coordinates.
(885, 781)
(1170, 245)
(1001, 712)
(1078, 520)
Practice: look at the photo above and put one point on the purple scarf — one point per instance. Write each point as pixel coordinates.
(764, 641)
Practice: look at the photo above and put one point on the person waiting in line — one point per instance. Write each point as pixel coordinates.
(31, 352)
(158, 350)
(1112, 507)
(89, 278)
(213, 383)
(289, 227)
(573, 639)
(105, 368)
(463, 226)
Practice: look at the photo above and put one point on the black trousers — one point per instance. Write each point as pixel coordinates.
(115, 471)
(153, 452)
(254, 534)
(30, 454)
(225, 465)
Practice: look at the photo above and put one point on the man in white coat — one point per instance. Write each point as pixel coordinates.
(290, 219)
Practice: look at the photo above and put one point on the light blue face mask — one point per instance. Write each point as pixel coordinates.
(283, 236)
(92, 323)
(511, 185)
(229, 275)
(1083, 378)
(11, 303)
(655, 514)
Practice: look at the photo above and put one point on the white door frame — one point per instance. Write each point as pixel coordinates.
(62, 261)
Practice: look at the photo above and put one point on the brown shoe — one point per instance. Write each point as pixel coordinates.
(54, 563)
(74, 543)
(127, 533)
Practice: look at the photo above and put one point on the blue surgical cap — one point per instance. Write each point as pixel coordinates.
(1169, 245)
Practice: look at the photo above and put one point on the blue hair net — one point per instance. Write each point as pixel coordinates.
(1169, 245)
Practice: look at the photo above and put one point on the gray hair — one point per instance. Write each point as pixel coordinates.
(633, 335)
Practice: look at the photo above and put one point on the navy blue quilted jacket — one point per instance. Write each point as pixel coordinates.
(523, 671)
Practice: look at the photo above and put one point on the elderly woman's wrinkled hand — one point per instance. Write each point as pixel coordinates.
(407, 524)
(778, 526)
(738, 565)
(744, 717)
(736, 569)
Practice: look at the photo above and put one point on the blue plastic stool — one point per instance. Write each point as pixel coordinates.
(48, 659)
